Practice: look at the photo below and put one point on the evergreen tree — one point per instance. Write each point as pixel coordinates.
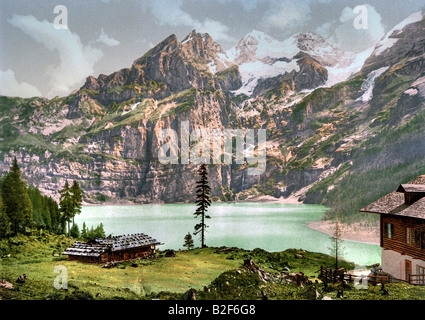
(336, 249)
(26, 207)
(77, 198)
(55, 216)
(41, 210)
(66, 205)
(75, 231)
(17, 203)
(4, 221)
(188, 241)
(97, 232)
(84, 231)
(47, 215)
(203, 202)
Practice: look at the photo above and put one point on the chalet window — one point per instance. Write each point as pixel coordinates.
(389, 230)
(423, 240)
(413, 237)
(421, 275)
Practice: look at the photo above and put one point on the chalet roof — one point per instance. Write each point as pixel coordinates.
(96, 247)
(411, 188)
(84, 249)
(128, 241)
(394, 202)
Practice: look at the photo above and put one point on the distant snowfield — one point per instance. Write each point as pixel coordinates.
(258, 50)
(261, 45)
(259, 56)
(339, 74)
(387, 42)
(251, 72)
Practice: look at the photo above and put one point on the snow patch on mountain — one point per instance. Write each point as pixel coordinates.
(219, 64)
(417, 87)
(252, 72)
(134, 106)
(260, 56)
(389, 39)
(369, 84)
(411, 92)
(259, 46)
(342, 73)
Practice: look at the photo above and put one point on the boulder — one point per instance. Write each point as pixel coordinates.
(170, 253)
(5, 284)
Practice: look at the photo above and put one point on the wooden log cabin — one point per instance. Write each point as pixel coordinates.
(118, 248)
(402, 230)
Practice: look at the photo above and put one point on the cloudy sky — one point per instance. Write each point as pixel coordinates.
(49, 51)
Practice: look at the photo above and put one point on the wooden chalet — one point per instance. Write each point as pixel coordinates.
(402, 230)
(118, 248)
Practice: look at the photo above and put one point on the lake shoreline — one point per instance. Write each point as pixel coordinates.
(355, 232)
(260, 199)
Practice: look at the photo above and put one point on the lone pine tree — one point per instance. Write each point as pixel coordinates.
(203, 201)
(336, 248)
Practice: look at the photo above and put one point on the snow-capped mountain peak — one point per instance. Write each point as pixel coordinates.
(259, 36)
(255, 45)
(260, 56)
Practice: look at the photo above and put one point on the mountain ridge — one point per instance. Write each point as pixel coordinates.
(322, 140)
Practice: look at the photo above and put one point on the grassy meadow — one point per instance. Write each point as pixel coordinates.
(213, 273)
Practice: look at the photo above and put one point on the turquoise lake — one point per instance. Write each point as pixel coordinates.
(271, 226)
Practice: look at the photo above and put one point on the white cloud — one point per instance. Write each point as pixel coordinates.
(288, 14)
(105, 39)
(325, 30)
(9, 86)
(215, 29)
(76, 61)
(170, 13)
(344, 33)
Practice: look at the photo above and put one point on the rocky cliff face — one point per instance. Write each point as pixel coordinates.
(324, 143)
(311, 75)
(167, 69)
(115, 152)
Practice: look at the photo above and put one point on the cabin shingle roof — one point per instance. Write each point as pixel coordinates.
(393, 203)
(96, 247)
(412, 188)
